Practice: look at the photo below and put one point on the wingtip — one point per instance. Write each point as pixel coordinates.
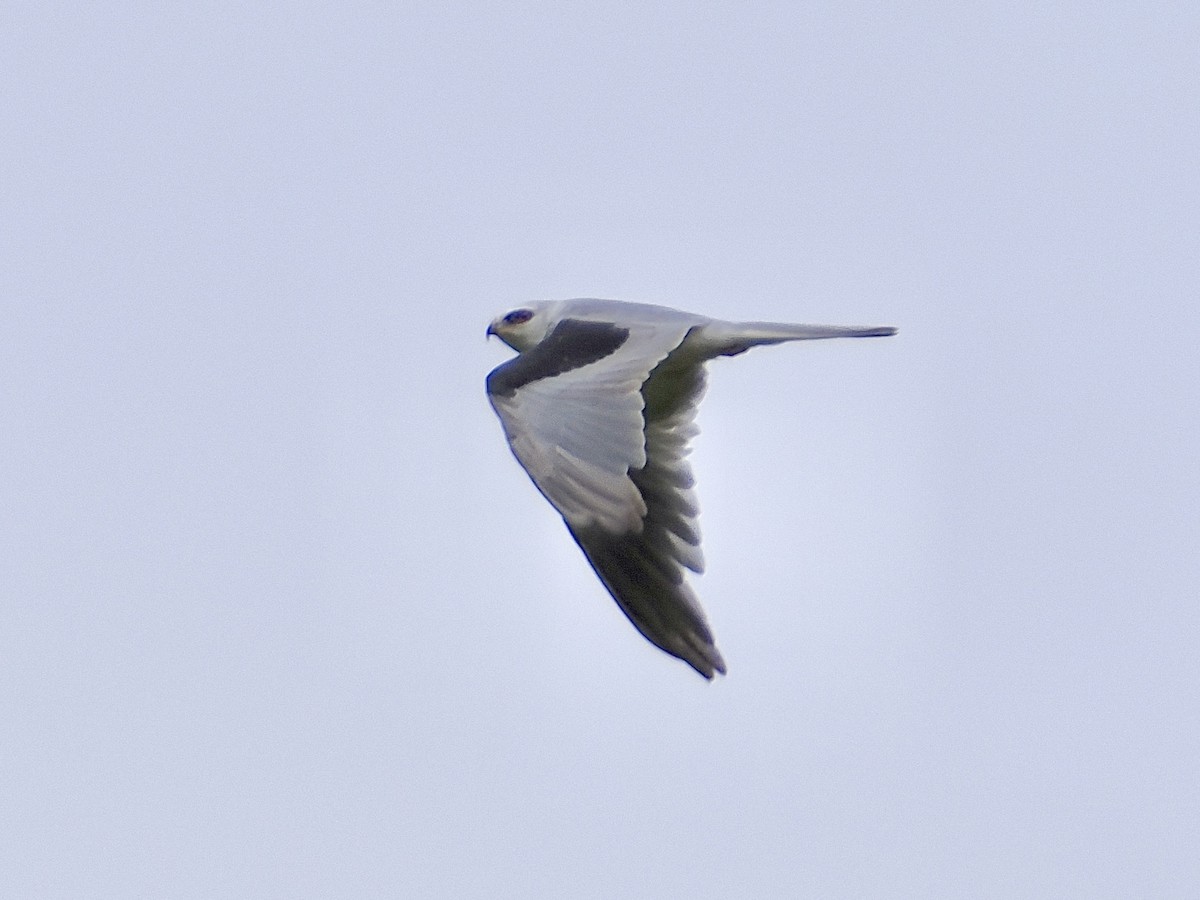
(708, 662)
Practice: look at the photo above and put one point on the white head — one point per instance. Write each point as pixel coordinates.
(525, 326)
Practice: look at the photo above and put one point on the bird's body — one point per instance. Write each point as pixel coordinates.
(599, 408)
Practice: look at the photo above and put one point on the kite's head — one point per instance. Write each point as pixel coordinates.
(523, 328)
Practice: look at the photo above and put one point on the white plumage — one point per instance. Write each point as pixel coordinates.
(599, 407)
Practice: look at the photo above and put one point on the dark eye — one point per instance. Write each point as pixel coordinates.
(518, 316)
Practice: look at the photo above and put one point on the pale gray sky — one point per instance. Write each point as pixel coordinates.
(283, 618)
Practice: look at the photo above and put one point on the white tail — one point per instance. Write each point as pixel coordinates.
(731, 338)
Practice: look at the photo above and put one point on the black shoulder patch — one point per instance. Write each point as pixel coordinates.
(573, 343)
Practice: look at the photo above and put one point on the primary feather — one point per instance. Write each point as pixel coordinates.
(599, 408)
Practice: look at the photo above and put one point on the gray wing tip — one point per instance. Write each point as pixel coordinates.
(710, 664)
(698, 651)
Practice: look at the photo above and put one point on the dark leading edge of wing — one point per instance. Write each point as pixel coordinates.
(573, 343)
(643, 570)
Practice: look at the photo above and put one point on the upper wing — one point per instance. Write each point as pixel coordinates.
(604, 435)
(571, 408)
(644, 570)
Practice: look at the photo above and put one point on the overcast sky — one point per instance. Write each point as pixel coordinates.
(281, 615)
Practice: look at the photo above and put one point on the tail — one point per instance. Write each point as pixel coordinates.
(732, 338)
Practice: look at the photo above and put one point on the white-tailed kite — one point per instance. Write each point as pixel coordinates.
(598, 407)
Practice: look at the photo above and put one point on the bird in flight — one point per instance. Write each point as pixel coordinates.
(599, 407)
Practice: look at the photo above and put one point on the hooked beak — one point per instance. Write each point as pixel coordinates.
(491, 329)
